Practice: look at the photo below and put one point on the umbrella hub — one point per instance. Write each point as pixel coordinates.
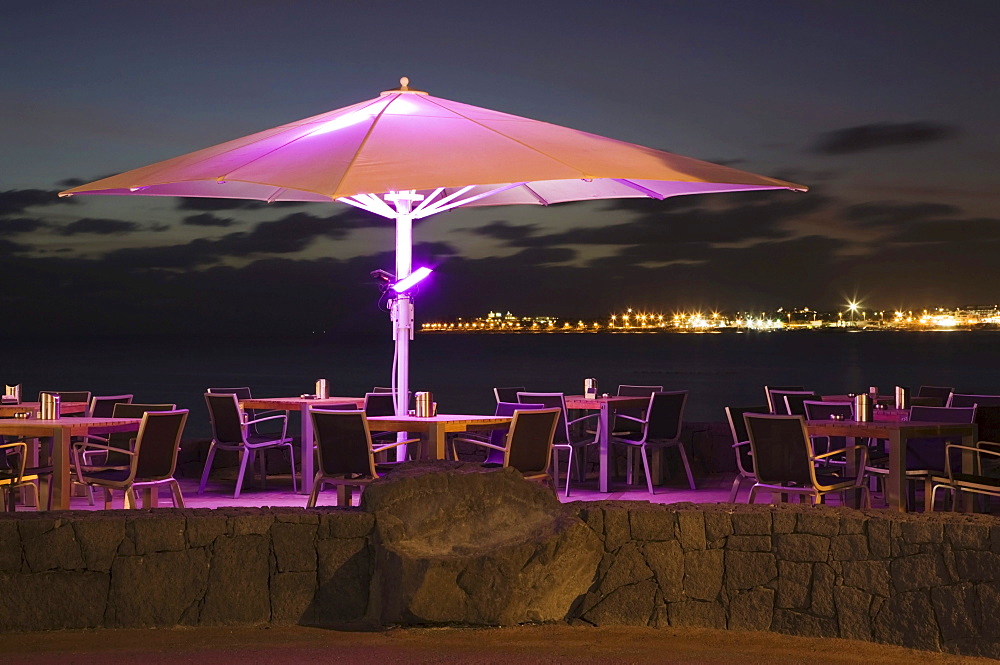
(404, 86)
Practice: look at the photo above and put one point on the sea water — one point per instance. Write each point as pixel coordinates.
(462, 369)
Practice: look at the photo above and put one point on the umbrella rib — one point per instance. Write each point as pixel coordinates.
(538, 197)
(509, 138)
(361, 146)
(288, 143)
(639, 188)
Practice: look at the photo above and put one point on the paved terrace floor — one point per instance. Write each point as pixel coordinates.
(712, 488)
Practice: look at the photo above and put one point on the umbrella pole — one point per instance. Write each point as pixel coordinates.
(402, 309)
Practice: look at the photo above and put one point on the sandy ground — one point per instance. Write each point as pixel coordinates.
(535, 645)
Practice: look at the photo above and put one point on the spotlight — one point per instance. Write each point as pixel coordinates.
(411, 280)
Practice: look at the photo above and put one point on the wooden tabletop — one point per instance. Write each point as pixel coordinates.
(8, 410)
(450, 421)
(618, 401)
(76, 426)
(298, 403)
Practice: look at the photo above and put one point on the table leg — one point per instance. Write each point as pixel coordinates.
(435, 441)
(968, 499)
(604, 446)
(60, 469)
(895, 483)
(307, 452)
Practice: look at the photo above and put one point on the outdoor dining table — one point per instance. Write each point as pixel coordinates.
(65, 408)
(434, 428)
(607, 406)
(302, 404)
(61, 431)
(898, 433)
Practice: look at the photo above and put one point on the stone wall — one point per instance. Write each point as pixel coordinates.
(925, 581)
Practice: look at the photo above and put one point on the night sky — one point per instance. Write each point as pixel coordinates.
(889, 111)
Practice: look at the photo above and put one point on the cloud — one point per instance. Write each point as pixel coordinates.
(727, 218)
(20, 225)
(208, 219)
(877, 136)
(890, 213)
(14, 201)
(98, 226)
(503, 230)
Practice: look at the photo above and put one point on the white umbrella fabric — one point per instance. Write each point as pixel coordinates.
(406, 155)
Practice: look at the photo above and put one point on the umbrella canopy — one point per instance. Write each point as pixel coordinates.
(408, 140)
(406, 155)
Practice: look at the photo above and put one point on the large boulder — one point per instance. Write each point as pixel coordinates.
(461, 544)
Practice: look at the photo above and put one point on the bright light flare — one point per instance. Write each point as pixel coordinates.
(411, 280)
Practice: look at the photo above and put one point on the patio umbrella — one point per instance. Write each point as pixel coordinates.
(406, 155)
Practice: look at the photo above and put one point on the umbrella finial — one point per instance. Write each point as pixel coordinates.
(404, 86)
(404, 83)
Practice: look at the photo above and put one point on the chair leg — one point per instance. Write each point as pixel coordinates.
(629, 473)
(569, 470)
(246, 455)
(555, 465)
(753, 494)
(208, 468)
(291, 458)
(263, 467)
(314, 494)
(108, 497)
(645, 466)
(735, 489)
(175, 490)
(687, 466)
(130, 502)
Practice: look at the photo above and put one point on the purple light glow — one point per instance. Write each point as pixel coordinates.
(411, 280)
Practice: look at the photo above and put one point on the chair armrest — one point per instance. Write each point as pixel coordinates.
(860, 451)
(484, 444)
(395, 444)
(586, 417)
(623, 416)
(282, 416)
(741, 444)
(86, 447)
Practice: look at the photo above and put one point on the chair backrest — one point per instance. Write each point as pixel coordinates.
(738, 428)
(123, 440)
(508, 394)
(68, 396)
(988, 420)
(103, 406)
(822, 410)
(943, 414)
(770, 401)
(507, 409)
(794, 402)
(380, 404)
(939, 394)
(665, 415)
(343, 442)
(964, 399)
(529, 441)
(226, 418)
(781, 449)
(158, 444)
(625, 390)
(382, 389)
(550, 401)
(242, 392)
(778, 404)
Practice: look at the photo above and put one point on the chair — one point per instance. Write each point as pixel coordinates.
(152, 460)
(564, 439)
(939, 394)
(529, 442)
(985, 455)
(243, 393)
(784, 461)
(495, 437)
(783, 400)
(625, 427)
(13, 477)
(508, 394)
(965, 400)
(824, 410)
(231, 432)
(770, 400)
(103, 406)
(661, 428)
(794, 402)
(68, 396)
(345, 454)
(741, 445)
(926, 459)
